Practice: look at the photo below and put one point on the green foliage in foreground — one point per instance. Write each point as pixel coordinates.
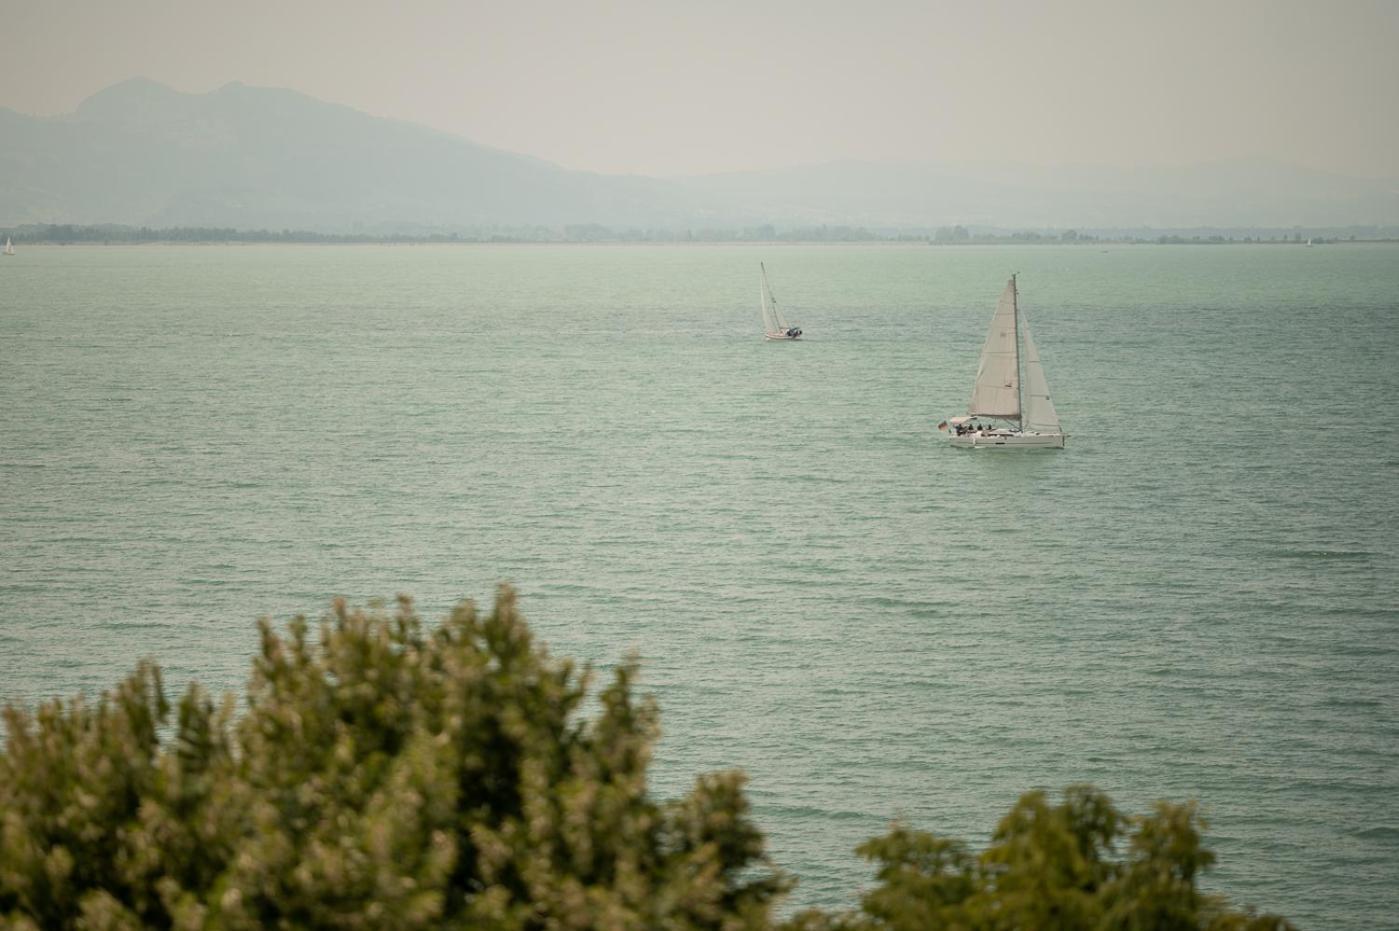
(1049, 867)
(388, 776)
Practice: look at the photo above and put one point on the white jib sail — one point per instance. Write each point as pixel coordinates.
(997, 389)
(1040, 415)
(773, 321)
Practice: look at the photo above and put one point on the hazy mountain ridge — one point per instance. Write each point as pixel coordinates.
(143, 153)
(1219, 194)
(256, 157)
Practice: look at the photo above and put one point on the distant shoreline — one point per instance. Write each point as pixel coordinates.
(953, 237)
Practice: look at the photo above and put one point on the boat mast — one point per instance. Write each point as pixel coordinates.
(763, 296)
(1019, 401)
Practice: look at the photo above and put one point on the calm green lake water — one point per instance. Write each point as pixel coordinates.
(1197, 599)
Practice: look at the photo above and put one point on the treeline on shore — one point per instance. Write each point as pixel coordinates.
(382, 773)
(114, 234)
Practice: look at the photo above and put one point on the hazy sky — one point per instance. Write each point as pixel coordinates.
(667, 87)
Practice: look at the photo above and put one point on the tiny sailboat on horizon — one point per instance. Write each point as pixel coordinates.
(775, 326)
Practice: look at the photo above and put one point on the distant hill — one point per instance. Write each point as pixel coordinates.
(1219, 194)
(246, 157)
(249, 157)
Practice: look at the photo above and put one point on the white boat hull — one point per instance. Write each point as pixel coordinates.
(1007, 439)
(780, 337)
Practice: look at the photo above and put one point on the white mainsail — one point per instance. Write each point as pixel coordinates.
(1040, 415)
(9, 246)
(996, 392)
(773, 321)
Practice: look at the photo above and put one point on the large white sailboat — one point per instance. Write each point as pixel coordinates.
(1006, 412)
(775, 326)
(9, 246)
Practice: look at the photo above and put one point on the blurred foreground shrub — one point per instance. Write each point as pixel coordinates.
(1049, 867)
(387, 776)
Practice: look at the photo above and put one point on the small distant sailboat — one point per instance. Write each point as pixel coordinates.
(1027, 415)
(775, 326)
(9, 247)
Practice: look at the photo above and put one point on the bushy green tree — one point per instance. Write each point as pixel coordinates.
(1049, 867)
(381, 776)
